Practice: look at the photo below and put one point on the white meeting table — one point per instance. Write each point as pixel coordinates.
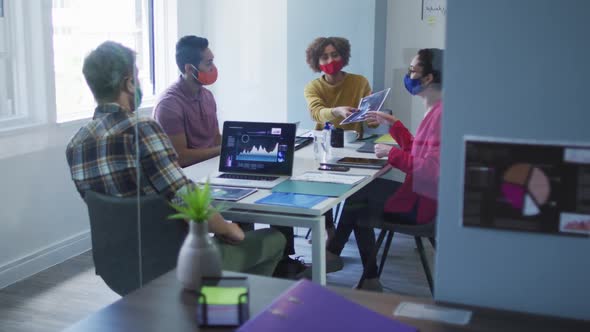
(246, 210)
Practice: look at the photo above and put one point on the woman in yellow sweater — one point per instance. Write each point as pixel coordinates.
(332, 97)
(336, 94)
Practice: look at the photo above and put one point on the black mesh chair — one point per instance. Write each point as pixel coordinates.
(115, 243)
(417, 231)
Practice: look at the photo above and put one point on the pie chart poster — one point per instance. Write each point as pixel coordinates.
(527, 187)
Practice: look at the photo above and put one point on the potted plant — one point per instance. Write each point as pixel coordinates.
(199, 256)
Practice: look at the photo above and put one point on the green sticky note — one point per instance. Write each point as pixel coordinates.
(223, 295)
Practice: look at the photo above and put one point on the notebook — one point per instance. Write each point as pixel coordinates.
(306, 306)
(292, 199)
(255, 154)
(230, 193)
(369, 147)
(301, 142)
(372, 163)
(312, 188)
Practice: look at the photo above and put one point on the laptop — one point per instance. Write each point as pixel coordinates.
(303, 137)
(301, 142)
(255, 154)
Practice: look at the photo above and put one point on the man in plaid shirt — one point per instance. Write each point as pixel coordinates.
(103, 157)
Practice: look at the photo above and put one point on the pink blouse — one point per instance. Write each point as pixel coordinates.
(419, 158)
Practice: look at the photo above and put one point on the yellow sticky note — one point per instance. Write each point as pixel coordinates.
(386, 139)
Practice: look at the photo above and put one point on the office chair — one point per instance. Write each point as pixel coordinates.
(114, 232)
(417, 231)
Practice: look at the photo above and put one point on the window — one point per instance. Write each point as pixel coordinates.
(22, 67)
(81, 25)
(43, 44)
(6, 96)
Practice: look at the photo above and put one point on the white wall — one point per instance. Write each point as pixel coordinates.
(309, 19)
(250, 48)
(44, 221)
(406, 34)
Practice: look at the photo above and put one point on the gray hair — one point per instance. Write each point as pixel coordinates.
(105, 69)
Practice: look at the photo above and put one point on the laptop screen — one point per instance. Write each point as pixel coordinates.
(257, 147)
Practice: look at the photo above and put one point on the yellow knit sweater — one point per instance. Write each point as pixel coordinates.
(322, 97)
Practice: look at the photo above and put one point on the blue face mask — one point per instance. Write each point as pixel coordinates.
(414, 86)
(137, 97)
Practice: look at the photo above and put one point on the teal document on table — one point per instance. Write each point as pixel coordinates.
(312, 188)
(291, 199)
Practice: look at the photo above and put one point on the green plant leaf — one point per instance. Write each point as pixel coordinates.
(179, 216)
(197, 204)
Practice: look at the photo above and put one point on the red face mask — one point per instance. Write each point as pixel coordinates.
(332, 67)
(206, 78)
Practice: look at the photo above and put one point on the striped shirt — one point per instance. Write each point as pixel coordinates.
(102, 156)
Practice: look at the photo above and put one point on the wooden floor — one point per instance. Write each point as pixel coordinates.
(64, 294)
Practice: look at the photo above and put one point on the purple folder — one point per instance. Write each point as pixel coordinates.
(309, 307)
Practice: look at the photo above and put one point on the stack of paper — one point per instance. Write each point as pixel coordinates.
(329, 177)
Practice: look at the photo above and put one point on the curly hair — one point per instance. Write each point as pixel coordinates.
(316, 49)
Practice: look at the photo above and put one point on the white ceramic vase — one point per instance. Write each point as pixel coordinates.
(198, 257)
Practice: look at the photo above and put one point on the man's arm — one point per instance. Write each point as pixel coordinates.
(159, 161)
(218, 138)
(188, 156)
(160, 167)
(229, 232)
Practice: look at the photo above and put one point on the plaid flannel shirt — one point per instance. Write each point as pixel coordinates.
(102, 156)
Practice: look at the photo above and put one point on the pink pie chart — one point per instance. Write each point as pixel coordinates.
(526, 188)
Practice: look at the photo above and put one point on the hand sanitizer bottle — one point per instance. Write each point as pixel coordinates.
(326, 142)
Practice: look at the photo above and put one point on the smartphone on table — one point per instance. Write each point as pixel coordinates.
(335, 168)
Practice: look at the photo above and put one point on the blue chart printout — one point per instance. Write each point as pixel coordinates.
(369, 103)
(291, 199)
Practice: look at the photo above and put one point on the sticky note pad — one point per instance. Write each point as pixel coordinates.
(223, 295)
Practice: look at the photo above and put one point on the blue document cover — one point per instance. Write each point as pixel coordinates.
(291, 199)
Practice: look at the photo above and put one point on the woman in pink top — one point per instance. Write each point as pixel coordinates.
(414, 202)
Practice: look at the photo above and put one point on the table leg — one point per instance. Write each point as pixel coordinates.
(318, 250)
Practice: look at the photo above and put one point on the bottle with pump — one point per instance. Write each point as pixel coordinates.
(327, 153)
